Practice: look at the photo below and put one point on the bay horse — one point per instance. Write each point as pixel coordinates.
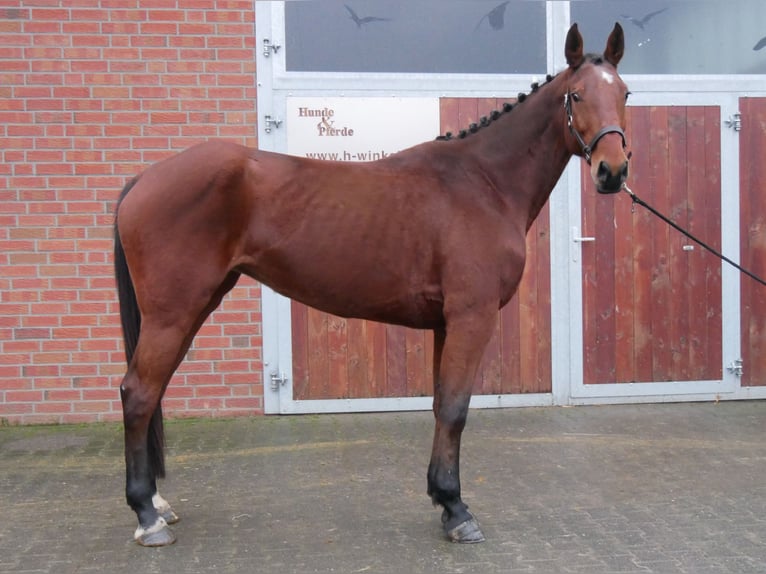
(432, 237)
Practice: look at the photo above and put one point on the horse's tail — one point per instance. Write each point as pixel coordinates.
(130, 317)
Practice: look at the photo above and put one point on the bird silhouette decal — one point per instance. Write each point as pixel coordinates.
(364, 19)
(760, 44)
(641, 22)
(496, 17)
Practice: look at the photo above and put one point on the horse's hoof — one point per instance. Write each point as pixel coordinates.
(164, 537)
(169, 516)
(467, 532)
(164, 509)
(157, 535)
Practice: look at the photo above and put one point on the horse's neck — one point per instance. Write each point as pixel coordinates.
(526, 153)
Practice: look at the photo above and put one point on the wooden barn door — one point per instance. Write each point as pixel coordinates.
(351, 361)
(753, 238)
(653, 320)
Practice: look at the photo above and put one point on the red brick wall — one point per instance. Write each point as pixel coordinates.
(91, 91)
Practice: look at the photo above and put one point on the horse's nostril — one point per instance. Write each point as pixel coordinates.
(604, 172)
(603, 169)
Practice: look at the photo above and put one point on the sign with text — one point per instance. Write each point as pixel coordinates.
(358, 129)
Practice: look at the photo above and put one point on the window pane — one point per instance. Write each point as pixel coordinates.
(680, 37)
(426, 36)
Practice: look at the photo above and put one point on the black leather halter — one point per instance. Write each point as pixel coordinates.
(587, 149)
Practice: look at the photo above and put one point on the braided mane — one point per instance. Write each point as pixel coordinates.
(595, 59)
(494, 115)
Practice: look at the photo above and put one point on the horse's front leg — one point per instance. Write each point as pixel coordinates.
(457, 354)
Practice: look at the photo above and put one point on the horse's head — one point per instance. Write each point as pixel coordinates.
(595, 106)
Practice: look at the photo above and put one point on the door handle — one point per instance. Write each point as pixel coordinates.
(577, 238)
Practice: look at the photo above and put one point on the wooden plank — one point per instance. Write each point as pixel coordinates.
(319, 365)
(713, 288)
(377, 372)
(358, 382)
(678, 259)
(428, 389)
(536, 375)
(337, 350)
(643, 253)
(485, 106)
(468, 112)
(605, 351)
(541, 228)
(396, 362)
(589, 276)
(699, 260)
(299, 327)
(415, 342)
(489, 378)
(661, 287)
(449, 115)
(624, 363)
(510, 326)
(528, 327)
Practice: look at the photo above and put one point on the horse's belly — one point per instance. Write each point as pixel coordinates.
(354, 292)
(411, 309)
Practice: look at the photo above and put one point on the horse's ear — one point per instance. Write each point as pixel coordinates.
(615, 45)
(574, 51)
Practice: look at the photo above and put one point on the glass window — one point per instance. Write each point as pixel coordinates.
(427, 36)
(680, 37)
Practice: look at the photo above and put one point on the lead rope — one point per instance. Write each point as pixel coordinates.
(642, 203)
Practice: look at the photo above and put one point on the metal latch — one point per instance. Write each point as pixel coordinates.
(278, 380)
(270, 122)
(736, 367)
(268, 48)
(734, 122)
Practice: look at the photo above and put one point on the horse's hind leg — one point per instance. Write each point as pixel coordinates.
(141, 392)
(165, 337)
(457, 355)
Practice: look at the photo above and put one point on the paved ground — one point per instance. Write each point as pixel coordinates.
(651, 489)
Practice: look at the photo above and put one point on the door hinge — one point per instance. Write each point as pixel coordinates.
(268, 48)
(734, 122)
(278, 379)
(270, 122)
(736, 367)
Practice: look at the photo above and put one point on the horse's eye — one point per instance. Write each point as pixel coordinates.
(576, 97)
(627, 95)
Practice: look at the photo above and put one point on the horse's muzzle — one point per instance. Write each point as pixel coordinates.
(610, 180)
